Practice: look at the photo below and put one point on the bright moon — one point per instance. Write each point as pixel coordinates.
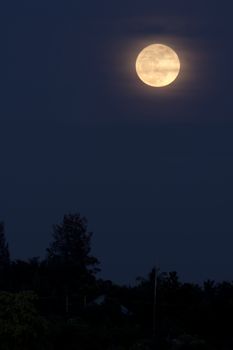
(157, 65)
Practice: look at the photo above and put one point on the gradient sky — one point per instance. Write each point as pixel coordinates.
(151, 169)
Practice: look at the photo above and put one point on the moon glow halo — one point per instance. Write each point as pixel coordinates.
(157, 65)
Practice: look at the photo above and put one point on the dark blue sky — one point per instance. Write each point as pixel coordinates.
(151, 169)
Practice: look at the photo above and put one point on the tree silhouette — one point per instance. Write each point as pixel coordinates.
(69, 253)
(4, 249)
(71, 245)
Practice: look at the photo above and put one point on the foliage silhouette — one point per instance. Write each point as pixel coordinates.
(21, 327)
(71, 267)
(50, 303)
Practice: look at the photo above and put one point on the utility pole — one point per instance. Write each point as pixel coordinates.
(155, 302)
(67, 304)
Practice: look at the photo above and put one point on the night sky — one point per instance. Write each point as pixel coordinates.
(151, 169)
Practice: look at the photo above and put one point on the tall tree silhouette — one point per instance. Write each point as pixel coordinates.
(69, 253)
(4, 249)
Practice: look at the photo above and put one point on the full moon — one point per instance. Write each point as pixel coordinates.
(157, 65)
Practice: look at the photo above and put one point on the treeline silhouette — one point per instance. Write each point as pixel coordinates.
(60, 303)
